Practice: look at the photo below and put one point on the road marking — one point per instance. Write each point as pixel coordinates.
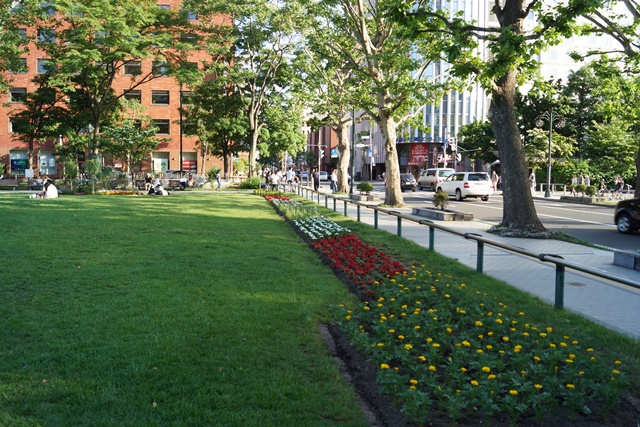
(564, 208)
(567, 218)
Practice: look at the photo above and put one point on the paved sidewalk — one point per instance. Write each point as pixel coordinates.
(613, 305)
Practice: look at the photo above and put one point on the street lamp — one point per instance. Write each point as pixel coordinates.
(550, 116)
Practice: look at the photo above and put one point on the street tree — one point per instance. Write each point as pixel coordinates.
(512, 50)
(331, 85)
(251, 49)
(96, 40)
(215, 114)
(131, 138)
(620, 19)
(281, 135)
(14, 17)
(40, 116)
(391, 68)
(478, 140)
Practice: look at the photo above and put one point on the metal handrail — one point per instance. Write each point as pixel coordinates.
(557, 260)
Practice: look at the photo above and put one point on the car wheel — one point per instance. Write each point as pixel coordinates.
(413, 189)
(458, 195)
(433, 188)
(484, 198)
(624, 224)
(439, 188)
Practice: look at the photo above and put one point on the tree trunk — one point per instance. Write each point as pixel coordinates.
(393, 196)
(637, 193)
(519, 215)
(344, 150)
(253, 152)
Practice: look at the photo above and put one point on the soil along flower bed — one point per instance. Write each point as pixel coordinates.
(445, 352)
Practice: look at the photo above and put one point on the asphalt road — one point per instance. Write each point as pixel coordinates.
(590, 223)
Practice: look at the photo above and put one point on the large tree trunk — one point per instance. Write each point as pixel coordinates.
(519, 215)
(344, 151)
(393, 196)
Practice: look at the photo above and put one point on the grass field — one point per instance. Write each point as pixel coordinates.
(195, 309)
(138, 311)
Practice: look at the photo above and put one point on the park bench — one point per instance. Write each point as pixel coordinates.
(9, 183)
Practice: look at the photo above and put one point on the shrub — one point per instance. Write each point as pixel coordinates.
(581, 188)
(365, 187)
(591, 191)
(441, 200)
(251, 183)
(240, 165)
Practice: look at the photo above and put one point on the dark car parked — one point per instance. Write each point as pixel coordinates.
(627, 216)
(408, 182)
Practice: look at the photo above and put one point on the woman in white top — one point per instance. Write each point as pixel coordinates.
(50, 191)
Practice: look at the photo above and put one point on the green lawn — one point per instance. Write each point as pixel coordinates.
(194, 309)
(184, 310)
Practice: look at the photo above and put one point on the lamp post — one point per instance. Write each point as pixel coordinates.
(353, 148)
(550, 116)
(180, 108)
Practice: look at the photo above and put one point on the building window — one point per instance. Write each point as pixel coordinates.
(160, 68)
(17, 125)
(44, 65)
(185, 99)
(191, 16)
(162, 125)
(18, 94)
(22, 32)
(164, 6)
(189, 38)
(19, 66)
(48, 8)
(160, 97)
(133, 94)
(189, 128)
(46, 35)
(133, 68)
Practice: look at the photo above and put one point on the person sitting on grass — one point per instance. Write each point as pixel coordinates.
(49, 191)
(160, 191)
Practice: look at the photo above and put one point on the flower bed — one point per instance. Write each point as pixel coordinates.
(445, 352)
(120, 193)
(441, 348)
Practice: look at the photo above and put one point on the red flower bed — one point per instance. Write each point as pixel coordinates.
(270, 198)
(362, 264)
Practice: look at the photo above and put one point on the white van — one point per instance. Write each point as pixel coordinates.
(430, 178)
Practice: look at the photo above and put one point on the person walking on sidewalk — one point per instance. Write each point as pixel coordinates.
(316, 179)
(494, 180)
(334, 180)
(532, 181)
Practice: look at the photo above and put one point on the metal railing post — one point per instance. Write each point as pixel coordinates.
(480, 253)
(345, 208)
(326, 201)
(559, 301)
(432, 232)
(375, 219)
(334, 204)
(559, 287)
(358, 207)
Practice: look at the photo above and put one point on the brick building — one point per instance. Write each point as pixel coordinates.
(161, 97)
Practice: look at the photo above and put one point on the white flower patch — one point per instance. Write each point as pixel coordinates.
(317, 227)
